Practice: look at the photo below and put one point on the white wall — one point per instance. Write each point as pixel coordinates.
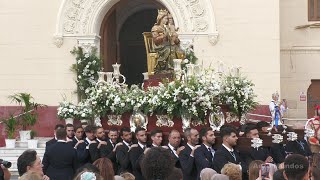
(300, 54)
(249, 37)
(29, 61)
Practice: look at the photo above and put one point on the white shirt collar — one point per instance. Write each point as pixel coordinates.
(141, 145)
(154, 145)
(172, 149)
(98, 139)
(89, 141)
(76, 138)
(127, 144)
(190, 146)
(230, 150)
(62, 141)
(207, 146)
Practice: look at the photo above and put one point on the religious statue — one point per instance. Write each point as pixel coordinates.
(275, 111)
(166, 42)
(314, 125)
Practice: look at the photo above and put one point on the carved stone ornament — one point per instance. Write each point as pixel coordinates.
(58, 41)
(78, 18)
(164, 120)
(114, 120)
(213, 38)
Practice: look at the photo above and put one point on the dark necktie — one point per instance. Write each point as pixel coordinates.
(233, 155)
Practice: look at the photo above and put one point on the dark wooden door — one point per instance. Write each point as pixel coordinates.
(132, 50)
(313, 97)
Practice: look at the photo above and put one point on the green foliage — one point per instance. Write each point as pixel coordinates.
(28, 116)
(86, 68)
(33, 134)
(10, 126)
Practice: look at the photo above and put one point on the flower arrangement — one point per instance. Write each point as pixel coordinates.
(200, 96)
(67, 110)
(86, 68)
(83, 111)
(162, 99)
(238, 94)
(136, 99)
(109, 99)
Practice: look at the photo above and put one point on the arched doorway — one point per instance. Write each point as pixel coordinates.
(132, 48)
(313, 97)
(122, 39)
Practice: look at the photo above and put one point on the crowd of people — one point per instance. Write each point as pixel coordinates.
(86, 153)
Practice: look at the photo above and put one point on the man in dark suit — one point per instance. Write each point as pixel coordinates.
(54, 139)
(298, 147)
(122, 154)
(204, 154)
(82, 147)
(104, 147)
(137, 151)
(70, 132)
(173, 145)
(59, 165)
(156, 137)
(186, 156)
(226, 153)
(251, 154)
(78, 135)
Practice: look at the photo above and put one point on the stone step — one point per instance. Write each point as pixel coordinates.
(12, 154)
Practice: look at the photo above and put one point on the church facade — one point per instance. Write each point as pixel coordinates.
(259, 36)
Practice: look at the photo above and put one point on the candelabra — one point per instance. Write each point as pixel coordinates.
(292, 136)
(113, 78)
(277, 138)
(256, 142)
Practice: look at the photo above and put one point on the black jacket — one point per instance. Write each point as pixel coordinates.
(203, 159)
(188, 165)
(59, 165)
(134, 157)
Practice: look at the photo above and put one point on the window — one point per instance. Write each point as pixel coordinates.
(314, 10)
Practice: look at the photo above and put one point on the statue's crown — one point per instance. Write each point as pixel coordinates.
(161, 13)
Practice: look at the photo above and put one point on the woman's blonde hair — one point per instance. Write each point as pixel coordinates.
(127, 176)
(232, 170)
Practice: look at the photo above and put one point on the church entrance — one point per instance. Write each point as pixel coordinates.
(122, 39)
(313, 97)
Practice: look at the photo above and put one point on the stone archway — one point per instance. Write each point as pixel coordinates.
(82, 19)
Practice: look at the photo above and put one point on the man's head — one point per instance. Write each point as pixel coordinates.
(29, 161)
(99, 133)
(70, 131)
(113, 135)
(58, 126)
(89, 130)
(141, 135)
(296, 167)
(61, 134)
(84, 125)
(79, 132)
(174, 138)
(263, 126)
(192, 136)
(229, 135)
(207, 136)
(126, 135)
(251, 131)
(156, 137)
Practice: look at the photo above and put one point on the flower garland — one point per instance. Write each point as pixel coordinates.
(86, 68)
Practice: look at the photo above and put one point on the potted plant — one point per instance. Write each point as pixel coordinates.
(10, 125)
(67, 111)
(28, 116)
(32, 143)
